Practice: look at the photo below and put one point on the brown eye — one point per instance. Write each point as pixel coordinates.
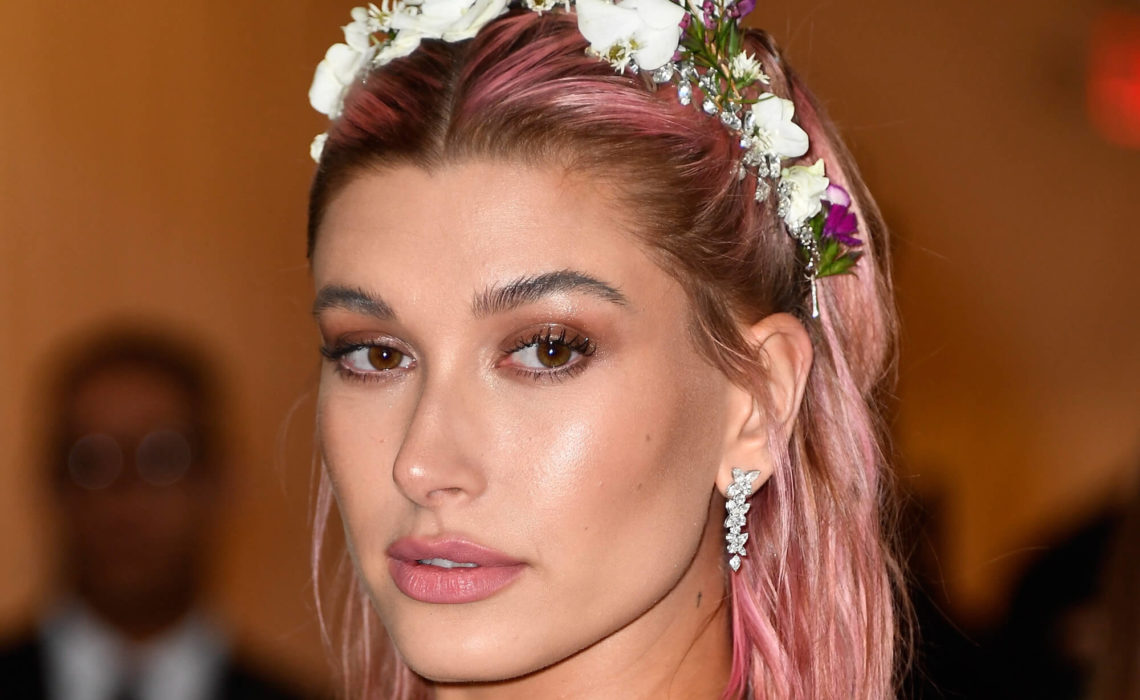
(382, 358)
(552, 353)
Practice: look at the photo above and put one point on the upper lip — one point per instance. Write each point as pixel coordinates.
(451, 548)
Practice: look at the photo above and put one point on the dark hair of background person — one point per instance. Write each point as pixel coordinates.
(136, 347)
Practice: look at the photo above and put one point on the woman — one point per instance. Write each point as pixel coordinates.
(585, 287)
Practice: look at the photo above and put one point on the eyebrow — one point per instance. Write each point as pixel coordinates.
(527, 290)
(497, 299)
(355, 299)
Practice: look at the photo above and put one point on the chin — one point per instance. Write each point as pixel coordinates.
(459, 661)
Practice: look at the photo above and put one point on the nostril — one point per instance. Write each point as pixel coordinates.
(444, 494)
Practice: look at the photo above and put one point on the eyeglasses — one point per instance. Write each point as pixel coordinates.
(161, 458)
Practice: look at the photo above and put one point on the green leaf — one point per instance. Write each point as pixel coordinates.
(828, 253)
(724, 35)
(698, 29)
(841, 265)
(735, 39)
(816, 224)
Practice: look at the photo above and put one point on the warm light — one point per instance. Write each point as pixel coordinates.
(1114, 77)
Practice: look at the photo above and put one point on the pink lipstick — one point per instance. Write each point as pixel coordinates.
(449, 571)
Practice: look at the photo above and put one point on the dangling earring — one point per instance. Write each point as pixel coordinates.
(737, 506)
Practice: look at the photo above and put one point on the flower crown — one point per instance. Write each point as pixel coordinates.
(691, 46)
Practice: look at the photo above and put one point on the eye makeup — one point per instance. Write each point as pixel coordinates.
(371, 360)
(546, 353)
(552, 353)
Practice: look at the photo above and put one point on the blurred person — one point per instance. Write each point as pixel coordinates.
(947, 662)
(135, 461)
(1073, 626)
(1116, 669)
(598, 407)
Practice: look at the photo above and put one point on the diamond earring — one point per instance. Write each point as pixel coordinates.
(737, 506)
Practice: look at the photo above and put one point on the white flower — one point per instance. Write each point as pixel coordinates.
(450, 20)
(333, 77)
(317, 147)
(747, 69)
(805, 186)
(402, 44)
(365, 23)
(648, 31)
(772, 130)
(474, 18)
(408, 21)
(541, 6)
(380, 16)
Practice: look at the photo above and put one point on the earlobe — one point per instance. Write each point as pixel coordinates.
(786, 355)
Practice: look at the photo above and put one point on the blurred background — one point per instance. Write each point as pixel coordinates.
(154, 166)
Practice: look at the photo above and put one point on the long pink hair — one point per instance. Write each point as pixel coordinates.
(815, 605)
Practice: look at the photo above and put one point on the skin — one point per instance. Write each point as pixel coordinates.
(603, 480)
(134, 551)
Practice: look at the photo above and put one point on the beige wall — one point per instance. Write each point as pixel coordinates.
(154, 161)
(1015, 242)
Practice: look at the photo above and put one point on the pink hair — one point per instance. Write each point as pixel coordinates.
(813, 607)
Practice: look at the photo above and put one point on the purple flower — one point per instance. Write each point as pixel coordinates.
(743, 7)
(707, 10)
(841, 223)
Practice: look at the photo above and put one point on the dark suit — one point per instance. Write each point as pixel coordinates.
(23, 676)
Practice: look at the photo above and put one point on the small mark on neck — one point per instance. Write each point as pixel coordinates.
(699, 595)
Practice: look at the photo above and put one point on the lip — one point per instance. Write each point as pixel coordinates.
(492, 572)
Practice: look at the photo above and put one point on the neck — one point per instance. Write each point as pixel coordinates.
(143, 621)
(680, 648)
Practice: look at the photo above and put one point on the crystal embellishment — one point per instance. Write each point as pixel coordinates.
(685, 93)
(737, 506)
(664, 74)
(730, 120)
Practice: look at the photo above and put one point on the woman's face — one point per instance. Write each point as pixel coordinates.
(522, 437)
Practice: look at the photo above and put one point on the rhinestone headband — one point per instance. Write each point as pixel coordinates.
(697, 48)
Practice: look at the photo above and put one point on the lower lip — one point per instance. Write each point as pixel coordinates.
(435, 584)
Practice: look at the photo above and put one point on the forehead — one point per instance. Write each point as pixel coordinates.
(474, 223)
(128, 401)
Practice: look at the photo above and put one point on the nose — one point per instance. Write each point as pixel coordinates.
(440, 460)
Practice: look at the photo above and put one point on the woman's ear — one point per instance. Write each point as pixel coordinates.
(772, 401)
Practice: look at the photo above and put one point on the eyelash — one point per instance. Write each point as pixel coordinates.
(583, 345)
(340, 351)
(580, 344)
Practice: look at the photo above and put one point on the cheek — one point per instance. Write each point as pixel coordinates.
(359, 437)
(606, 440)
(623, 495)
